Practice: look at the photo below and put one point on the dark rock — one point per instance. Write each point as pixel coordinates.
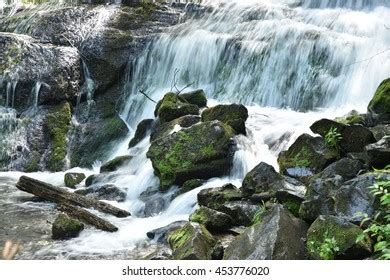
(161, 254)
(309, 154)
(339, 236)
(191, 242)
(234, 115)
(65, 227)
(214, 221)
(214, 198)
(72, 179)
(160, 234)
(161, 130)
(280, 236)
(202, 151)
(172, 106)
(313, 207)
(115, 164)
(197, 97)
(154, 206)
(143, 128)
(380, 131)
(191, 185)
(378, 154)
(105, 192)
(242, 212)
(352, 118)
(380, 103)
(323, 126)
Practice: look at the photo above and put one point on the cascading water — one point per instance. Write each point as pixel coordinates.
(291, 62)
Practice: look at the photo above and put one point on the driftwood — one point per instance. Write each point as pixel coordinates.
(60, 196)
(87, 217)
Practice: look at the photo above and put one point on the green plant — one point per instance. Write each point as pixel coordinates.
(333, 138)
(259, 214)
(327, 249)
(379, 225)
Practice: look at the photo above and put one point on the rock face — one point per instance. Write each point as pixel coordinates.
(331, 237)
(142, 130)
(173, 106)
(378, 154)
(73, 179)
(115, 164)
(380, 104)
(191, 242)
(65, 227)
(200, 152)
(214, 221)
(280, 236)
(306, 157)
(234, 115)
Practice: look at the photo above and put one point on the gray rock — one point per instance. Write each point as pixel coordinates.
(105, 192)
(160, 234)
(66, 228)
(378, 154)
(213, 220)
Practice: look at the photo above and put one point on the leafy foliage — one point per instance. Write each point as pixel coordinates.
(327, 249)
(333, 138)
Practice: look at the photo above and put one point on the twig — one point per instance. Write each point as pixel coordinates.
(363, 60)
(187, 86)
(147, 96)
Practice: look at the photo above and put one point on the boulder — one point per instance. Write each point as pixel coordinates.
(279, 236)
(196, 97)
(214, 221)
(191, 242)
(214, 198)
(234, 115)
(313, 207)
(191, 185)
(202, 151)
(380, 131)
(380, 103)
(352, 118)
(65, 227)
(242, 212)
(72, 179)
(160, 234)
(115, 164)
(307, 156)
(378, 154)
(161, 130)
(105, 192)
(331, 237)
(172, 106)
(143, 128)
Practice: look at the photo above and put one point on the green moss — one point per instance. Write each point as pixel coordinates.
(197, 97)
(65, 227)
(73, 179)
(115, 164)
(58, 124)
(173, 106)
(179, 237)
(380, 103)
(33, 163)
(301, 159)
(12, 56)
(293, 206)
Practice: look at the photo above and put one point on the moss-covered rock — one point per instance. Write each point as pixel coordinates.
(65, 227)
(214, 198)
(380, 103)
(202, 151)
(142, 130)
(213, 220)
(115, 164)
(72, 179)
(234, 115)
(332, 237)
(307, 156)
(197, 97)
(161, 130)
(172, 106)
(105, 192)
(191, 242)
(351, 118)
(58, 124)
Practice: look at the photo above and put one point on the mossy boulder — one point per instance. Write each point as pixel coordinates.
(65, 227)
(72, 179)
(279, 236)
(58, 125)
(242, 212)
(307, 156)
(214, 198)
(331, 237)
(378, 154)
(115, 164)
(196, 97)
(213, 220)
(234, 115)
(191, 242)
(104, 192)
(172, 106)
(380, 103)
(352, 118)
(202, 151)
(141, 132)
(161, 130)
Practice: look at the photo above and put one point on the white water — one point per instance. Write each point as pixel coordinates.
(270, 55)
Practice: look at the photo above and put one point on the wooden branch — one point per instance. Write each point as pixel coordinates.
(147, 96)
(87, 217)
(60, 196)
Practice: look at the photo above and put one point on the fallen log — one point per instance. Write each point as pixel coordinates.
(60, 196)
(87, 217)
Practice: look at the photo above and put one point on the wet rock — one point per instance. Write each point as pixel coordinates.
(313, 207)
(72, 179)
(202, 151)
(214, 198)
(160, 234)
(309, 155)
(279, 236)
(65, 227)
(191, 185)
(234, 115)
(154, 206)
(105, 192)
(197, 97)
(378, 154)
(143, 128)
(214, 221)
(191, 242)
(380, 131)
(242, 212)
(161, 130)
(172, 106)
(339, 236)
(161, 254)
(323, 126)
(352, 118)
(115, 164)
(380, 103)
